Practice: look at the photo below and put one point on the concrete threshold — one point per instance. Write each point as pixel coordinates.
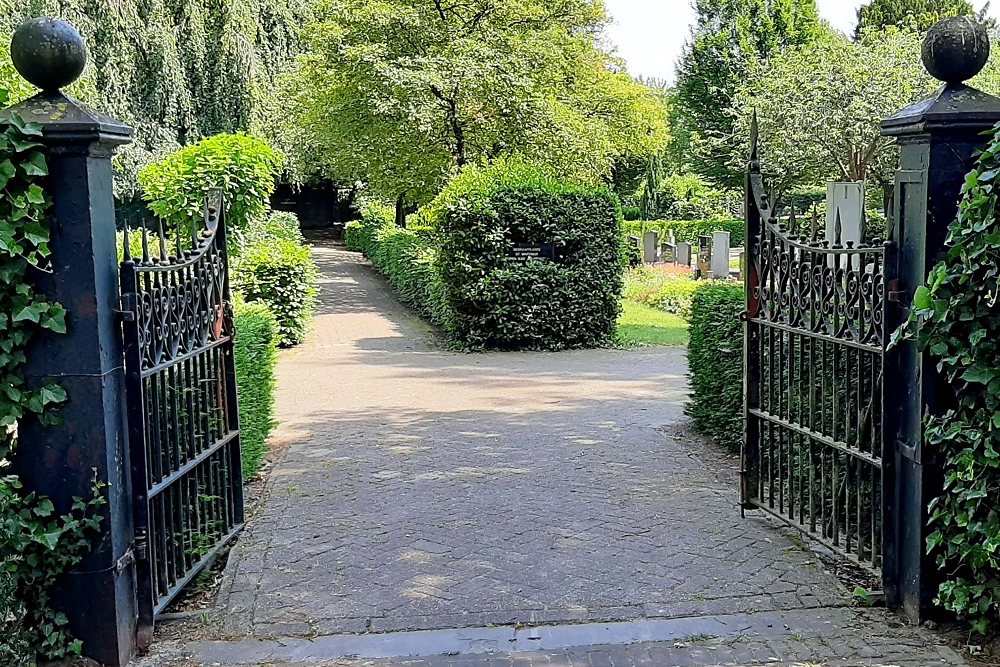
(516, 639)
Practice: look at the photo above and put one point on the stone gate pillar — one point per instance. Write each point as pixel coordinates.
(60, 461)
(938, 138)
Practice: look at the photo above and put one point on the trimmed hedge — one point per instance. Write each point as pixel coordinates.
(283, 275)
(497, 302)
(689, 230)
(715, 358)
(404, 256)
(255, 355)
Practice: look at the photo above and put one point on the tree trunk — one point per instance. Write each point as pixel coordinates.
(401, 210)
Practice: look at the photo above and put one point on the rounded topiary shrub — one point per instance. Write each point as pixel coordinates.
(496, 299)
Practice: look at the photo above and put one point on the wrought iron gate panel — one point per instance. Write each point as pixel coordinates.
(184, 438)
(815, 342)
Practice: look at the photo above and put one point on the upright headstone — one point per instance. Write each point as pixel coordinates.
(98, 596)
(684, 254)
(846, 200)
(704, 256)
(650, 247)
(720, 255)
(668, 253)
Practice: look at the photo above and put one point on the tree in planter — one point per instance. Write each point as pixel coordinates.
(401, 93)
(819, 109)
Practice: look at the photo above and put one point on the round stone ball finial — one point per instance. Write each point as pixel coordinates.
(49, 53)
(956, 49)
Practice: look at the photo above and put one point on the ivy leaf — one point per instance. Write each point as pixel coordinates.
(922, 299)
(35, 194)
(35, 165)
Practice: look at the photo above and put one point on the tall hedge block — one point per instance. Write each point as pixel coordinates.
(715, 358)
(255, 354)
(499, 302)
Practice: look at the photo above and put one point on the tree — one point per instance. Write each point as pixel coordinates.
(400, 93)
(729, 38)
(176, 70)
(914, 14)
(820, 108)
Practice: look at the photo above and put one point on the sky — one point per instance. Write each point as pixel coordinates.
(649, 34)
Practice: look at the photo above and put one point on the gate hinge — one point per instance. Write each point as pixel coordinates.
(130, 306)
(126, 561)
(897, 295)
(141, 545)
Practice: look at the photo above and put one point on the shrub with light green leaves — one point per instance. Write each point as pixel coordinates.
(244, 167)
(495, 301)
(715, 360)
(282, 275)
(255, 353)
(668, 291)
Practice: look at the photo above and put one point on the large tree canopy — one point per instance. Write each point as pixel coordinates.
(729, 39)
(820, 108)
(176, 70)
(914, 14)
(399, 93)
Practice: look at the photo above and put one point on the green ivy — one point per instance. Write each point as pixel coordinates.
(955, 319)
(36, 545)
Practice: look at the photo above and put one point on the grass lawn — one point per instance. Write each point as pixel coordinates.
(642, 326)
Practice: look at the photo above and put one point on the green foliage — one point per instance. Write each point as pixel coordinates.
(278, 225)
(688, 231)
(662, 289)
(729, 38)
(916, 15)
(715, 357)
(36, 545)
(176, 70)
(255, 353)
(689, 197)
(404, 256)
(820, 108)
(643, 326)
(955, 320)
(283, 275)
(243, 166)
(401, 93)
(499, 302)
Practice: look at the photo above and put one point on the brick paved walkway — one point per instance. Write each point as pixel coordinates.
(419, 489)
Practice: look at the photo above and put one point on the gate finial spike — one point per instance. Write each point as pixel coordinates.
(163, 242)
(814, 224)
(793, 223)
(838, 230)
(145, 241)
(754, 144)
(126, 250)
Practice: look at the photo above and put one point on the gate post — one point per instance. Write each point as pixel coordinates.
(938, 139)
(60, 462)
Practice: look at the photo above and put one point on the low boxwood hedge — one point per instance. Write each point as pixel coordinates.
(715, 359)
(255, 358)
(688, 231)
(283, 275)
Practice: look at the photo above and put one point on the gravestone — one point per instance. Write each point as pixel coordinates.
(720, 255)
(668, 253)
(684, 254)
(848, 201)
(704, 256)
(650, 246)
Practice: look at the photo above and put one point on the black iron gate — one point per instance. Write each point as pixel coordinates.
(183, 425)
(815, 343)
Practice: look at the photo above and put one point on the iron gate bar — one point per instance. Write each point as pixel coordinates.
(814, 349)
(184, 436)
